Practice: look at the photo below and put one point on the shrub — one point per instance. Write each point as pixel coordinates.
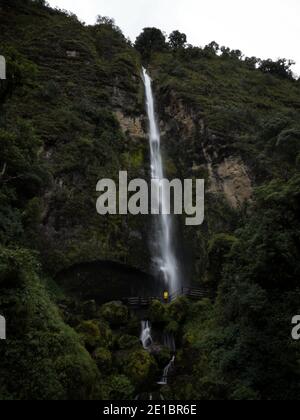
(177, 310)
(157, 312)
(115, 313)
(103, 359)
(49, 348)
(128, 342)
(90, 334)
(140, 367)
(119, 387)
(288, 144)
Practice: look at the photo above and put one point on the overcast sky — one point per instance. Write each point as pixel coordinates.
(263, 28)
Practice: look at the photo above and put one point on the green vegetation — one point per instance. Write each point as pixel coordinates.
(42, 357)
(115, 313)
(237, 109)
(177, 40)
(151, 40)
(72, 112)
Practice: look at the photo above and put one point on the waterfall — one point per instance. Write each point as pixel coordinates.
(164, 379)
(145, 336)
(163, 251)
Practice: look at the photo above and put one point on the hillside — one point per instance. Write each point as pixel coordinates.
(72, 112)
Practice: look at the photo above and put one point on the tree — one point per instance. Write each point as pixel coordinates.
(105, 20)
(281, 67)
(252, 62)
(236, 54)
(288, 144)
(149, 41)
(225, 51)
(213, 47)
(219, 247)
(41, 2)
(177, 40)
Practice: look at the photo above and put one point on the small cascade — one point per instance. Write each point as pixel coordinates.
(164, 379)
(169, 341)
(145, 336)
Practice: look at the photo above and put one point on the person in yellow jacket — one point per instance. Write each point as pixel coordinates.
(166, 296)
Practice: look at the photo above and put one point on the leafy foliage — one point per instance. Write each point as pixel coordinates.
(149, 41)
(281, 68)
(39, 344)
(177, 40)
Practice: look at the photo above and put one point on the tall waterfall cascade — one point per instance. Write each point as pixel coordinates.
(163, 250)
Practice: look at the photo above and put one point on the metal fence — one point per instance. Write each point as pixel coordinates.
(196, 293)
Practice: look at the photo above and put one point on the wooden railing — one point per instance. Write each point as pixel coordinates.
(140, 301)
(191, 292)
(195, 293)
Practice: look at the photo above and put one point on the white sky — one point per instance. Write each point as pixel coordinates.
(263, 28)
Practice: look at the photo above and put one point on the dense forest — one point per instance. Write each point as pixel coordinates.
(72, 112)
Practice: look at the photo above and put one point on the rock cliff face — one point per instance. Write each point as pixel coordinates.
(132, 126)
(231, 178)
(199, 150)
